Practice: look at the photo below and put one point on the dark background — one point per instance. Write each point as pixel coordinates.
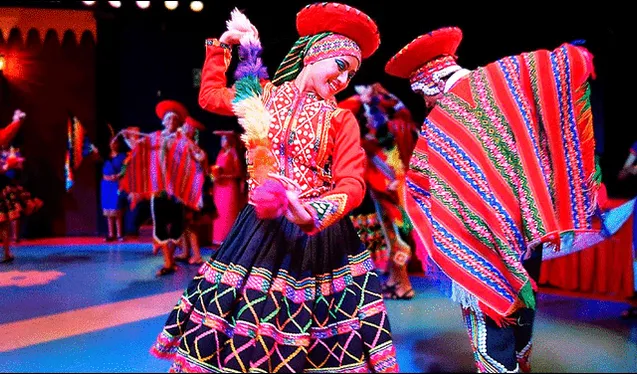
(144, 56)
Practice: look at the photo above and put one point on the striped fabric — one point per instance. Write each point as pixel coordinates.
(504, 162)
(160, 164)
(78, 147)
(293, 61)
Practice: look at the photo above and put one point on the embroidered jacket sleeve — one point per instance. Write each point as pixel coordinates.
(214, 95)
(347, 175)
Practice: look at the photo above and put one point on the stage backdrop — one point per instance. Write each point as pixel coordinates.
(49, 72)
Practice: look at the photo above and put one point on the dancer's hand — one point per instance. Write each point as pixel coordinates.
(18, 115)
(240, 29)
(231, 37)
(296, 212)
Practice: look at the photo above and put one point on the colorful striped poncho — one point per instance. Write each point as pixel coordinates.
(505, 161)
(159, 164)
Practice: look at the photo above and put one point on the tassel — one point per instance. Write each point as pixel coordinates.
(589, 62)
(270, 199)
(527, 296)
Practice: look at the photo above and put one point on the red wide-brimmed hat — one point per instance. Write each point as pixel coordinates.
(194, 123)
(340, 19)
(439, 43)
(227, 133)
(176, 107)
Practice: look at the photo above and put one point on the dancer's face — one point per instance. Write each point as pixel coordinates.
(332, 75)
(171, 121)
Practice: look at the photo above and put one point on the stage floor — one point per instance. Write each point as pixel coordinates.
(80, 305)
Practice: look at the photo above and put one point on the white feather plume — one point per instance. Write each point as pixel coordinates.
(254, 119)
(240, 23)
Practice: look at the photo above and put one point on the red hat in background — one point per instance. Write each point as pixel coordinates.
(228, 133)
(437, 46)
(233, 137)
(176, 107)
(194, 123)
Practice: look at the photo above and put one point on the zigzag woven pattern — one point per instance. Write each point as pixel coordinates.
(291, 318)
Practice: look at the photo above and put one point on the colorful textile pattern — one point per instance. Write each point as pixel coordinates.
(428, 79)
(78, 147)
(164, 164)
(340, 19)
(327, 30)
(275, 296)
(273, 299)
(317, 148)
(292, 63)
(369, 227)
(327, 210)
(505, 161)
(331, 46)
(426, 55)
(383, 169)
(382, 124)
(15, 201)
(496, 349)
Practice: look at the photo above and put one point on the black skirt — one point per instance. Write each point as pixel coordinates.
(273, 298)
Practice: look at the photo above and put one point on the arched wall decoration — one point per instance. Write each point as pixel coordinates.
(43, 20)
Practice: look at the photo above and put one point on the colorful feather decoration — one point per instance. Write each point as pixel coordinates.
(247, 105)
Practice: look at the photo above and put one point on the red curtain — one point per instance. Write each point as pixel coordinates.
(605, 270)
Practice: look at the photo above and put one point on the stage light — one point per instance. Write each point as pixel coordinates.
(171, 5)
(143, 4)
(3, 62)
(89, 3)
(115, 4)
(196, 6)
